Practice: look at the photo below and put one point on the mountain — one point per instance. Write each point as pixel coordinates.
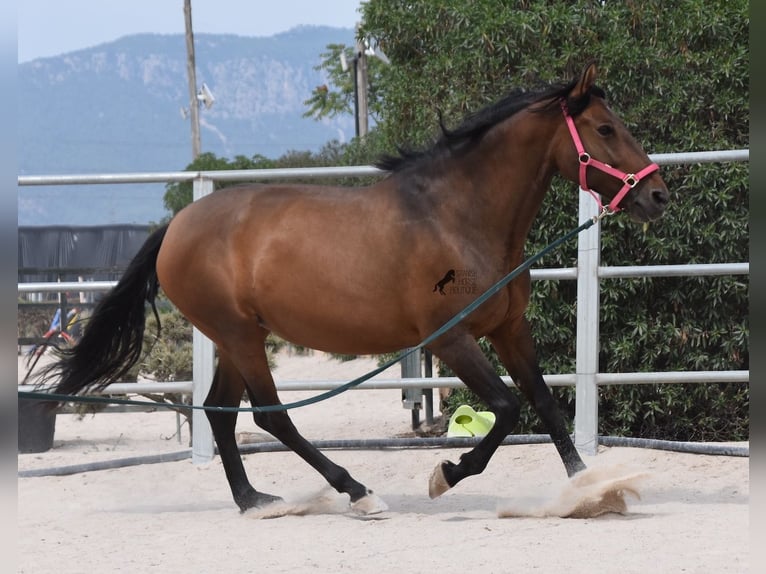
(116, 108)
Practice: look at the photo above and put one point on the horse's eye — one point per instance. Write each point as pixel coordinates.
(605, 130)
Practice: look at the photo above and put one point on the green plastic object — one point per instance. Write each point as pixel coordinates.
(466, 422)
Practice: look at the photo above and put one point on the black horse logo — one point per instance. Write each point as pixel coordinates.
(449, 277)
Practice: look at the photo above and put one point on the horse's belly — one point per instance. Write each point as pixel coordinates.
(339, 320)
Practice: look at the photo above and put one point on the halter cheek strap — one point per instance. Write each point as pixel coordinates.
(629, 180)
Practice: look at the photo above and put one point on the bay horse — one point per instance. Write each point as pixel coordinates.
(352, 271)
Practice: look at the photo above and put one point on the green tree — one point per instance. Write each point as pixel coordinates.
(679, 79)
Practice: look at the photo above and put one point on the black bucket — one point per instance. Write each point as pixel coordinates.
(37, 425)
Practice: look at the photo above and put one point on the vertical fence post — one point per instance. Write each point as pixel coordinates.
(202, 373)
(412, 398)
(586, 401)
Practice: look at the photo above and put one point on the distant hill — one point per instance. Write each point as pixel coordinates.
(117, 108)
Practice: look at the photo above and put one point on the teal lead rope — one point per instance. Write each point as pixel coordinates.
(351, 384)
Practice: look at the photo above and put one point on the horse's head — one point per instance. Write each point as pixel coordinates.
(595, 149)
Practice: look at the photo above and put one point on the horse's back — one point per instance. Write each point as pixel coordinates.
(320, 266)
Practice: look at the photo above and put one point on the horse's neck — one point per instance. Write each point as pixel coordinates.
(504, 181)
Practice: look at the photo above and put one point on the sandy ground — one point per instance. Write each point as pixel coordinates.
(692, 517)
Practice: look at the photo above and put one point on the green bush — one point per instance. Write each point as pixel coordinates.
(679, 79)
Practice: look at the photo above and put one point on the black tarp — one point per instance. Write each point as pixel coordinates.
(66, 253)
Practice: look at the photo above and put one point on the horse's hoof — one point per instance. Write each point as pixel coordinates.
(371, 503)
(437, 484)
(256, 499)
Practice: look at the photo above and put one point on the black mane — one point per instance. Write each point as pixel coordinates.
(473, 127)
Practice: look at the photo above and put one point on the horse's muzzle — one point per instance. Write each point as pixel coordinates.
(649, 204)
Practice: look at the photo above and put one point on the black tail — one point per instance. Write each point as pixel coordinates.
(112, 339)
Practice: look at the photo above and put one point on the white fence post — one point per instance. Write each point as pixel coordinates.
(586, 400)
(202, 371)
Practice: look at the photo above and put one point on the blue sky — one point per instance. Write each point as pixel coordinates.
(52, 27)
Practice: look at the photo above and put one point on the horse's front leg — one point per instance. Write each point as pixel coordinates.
(464, 356)
(514, 345)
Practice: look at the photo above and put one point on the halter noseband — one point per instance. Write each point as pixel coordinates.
(629, 180)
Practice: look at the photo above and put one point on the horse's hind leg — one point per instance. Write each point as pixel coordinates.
(227, 391)
(514, 345)
(262, 391)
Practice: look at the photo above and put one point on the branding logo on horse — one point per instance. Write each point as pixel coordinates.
(463, 282)
(448, 277)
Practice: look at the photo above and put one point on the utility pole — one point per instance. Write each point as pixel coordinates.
(360, 84)
(192, 74)
(362, 49)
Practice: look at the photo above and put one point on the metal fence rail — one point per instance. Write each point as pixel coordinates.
(588, 273)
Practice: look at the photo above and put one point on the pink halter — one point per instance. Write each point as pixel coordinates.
(629, 180)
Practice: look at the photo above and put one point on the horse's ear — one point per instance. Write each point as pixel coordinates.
(586, 81)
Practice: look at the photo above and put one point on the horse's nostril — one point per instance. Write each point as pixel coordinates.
(660, 196)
